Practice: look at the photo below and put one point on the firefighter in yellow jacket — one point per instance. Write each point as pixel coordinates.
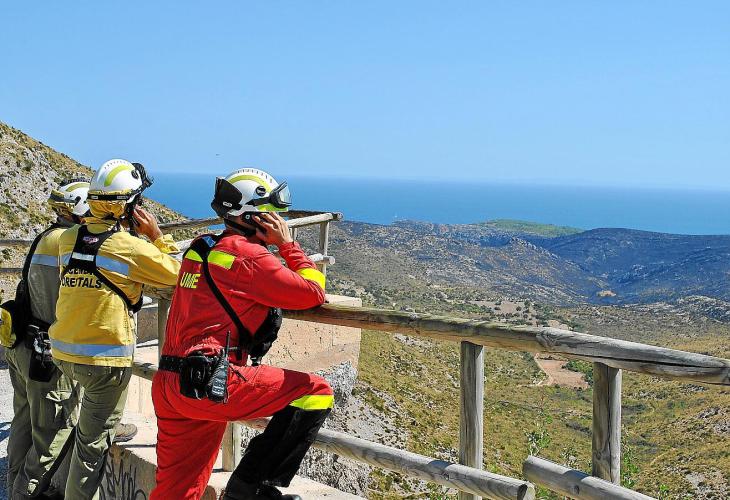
(44, 400)
(103, 268)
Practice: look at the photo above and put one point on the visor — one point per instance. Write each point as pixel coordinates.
(229, 201)
(147, 181)
(59, 198)
(280, 197)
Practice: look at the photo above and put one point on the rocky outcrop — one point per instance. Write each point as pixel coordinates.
(29, 170)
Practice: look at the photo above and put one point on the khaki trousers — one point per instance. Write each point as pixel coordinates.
(41, 432)
(105, 394)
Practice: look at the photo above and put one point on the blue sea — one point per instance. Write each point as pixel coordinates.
(384, 201)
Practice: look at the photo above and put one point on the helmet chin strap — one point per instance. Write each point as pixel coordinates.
(66, 221)
(243, 229)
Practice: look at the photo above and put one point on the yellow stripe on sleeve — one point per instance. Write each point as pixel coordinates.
(310, 274)
(221, 259)
(193, 255)
(216, 257)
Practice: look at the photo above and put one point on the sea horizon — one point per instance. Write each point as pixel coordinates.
(696, 211)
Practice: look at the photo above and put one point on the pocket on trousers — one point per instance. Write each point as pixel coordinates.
(65, 404)
(122, 376)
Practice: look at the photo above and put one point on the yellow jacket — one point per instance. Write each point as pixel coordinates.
(93, 325)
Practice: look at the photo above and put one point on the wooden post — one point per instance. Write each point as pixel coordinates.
(606, 423)
(324, 243)
(294, 233)
(231, 446)
(471, 421)
(163, 308)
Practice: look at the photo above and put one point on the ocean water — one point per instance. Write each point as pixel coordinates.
(384, 201)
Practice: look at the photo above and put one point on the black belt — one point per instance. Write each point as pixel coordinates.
(201, 376)
(171, 363)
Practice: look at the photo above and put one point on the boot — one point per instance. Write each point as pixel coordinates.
(124, 432)
(51, 494)
(236, 489)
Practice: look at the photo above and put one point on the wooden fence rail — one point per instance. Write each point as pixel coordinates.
(574, 483)
(297, 218)
(621, 354)
(317, 258)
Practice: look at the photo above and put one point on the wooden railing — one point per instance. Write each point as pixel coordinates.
(296, 219)
(609, 357)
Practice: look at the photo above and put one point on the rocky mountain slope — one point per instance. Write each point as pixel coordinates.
(600, 266)
(643, 266)
(28, 171)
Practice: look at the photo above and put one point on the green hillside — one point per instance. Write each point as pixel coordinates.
(675, 434)
(532, 228)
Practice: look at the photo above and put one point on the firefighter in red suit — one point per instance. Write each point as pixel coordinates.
(225, 312)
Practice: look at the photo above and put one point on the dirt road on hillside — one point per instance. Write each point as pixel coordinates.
(557, 374)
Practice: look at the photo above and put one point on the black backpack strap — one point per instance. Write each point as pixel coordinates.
(33, 246)
(83, 257)
(203, 247)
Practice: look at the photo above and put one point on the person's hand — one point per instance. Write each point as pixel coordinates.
(146, 224)
(277, 232)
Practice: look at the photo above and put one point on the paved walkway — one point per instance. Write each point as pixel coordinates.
(6, 415)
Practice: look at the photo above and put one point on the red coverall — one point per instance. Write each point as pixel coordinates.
(189, 430)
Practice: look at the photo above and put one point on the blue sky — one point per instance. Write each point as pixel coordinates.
(568, 92)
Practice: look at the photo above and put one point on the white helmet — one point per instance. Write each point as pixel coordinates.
(249, 190)
(69, 198)
(115, 185)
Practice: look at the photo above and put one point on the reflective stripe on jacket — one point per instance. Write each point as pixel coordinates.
(251, 278)
(93, 325)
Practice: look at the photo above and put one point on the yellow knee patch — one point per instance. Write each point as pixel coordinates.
(318, 402)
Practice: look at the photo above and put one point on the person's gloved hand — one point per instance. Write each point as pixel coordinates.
(275, 231)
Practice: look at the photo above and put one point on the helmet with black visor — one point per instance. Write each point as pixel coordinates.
(246, 192)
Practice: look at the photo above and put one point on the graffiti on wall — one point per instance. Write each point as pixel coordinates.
(120, 482)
